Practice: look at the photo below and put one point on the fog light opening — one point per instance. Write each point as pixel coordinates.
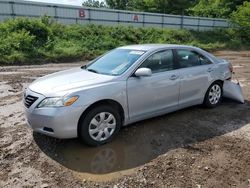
(47, 129)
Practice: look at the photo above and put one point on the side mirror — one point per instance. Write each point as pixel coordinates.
(143, 72)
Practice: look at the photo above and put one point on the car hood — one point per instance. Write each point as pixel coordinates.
(60, 83)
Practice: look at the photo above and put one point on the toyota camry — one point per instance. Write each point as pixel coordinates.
(125, 85)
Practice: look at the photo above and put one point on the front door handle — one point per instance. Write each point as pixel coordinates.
(173, 77)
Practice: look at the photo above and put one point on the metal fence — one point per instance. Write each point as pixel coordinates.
(68, 14)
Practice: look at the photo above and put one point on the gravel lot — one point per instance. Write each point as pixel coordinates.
(194, 147)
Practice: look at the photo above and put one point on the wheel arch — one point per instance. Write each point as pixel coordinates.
(111, 102)
(217, 81)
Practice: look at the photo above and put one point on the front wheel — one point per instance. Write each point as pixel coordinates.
(100, 125)
(213, 95)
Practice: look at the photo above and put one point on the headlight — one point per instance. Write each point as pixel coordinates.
(57, 102)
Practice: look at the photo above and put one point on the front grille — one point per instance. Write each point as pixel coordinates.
(29, 100)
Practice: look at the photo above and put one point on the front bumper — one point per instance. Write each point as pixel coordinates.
(58, 122)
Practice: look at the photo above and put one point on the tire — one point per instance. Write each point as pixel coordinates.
(213, 95)
(100, 125)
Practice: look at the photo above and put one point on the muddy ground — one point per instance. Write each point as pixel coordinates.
(194, 147)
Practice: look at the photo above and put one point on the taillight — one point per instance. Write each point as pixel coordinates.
(231, 68)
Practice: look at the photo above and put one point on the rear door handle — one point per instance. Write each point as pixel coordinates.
(173, 77)
(210, 69)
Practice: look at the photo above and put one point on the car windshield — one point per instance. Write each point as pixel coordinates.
(115, 62)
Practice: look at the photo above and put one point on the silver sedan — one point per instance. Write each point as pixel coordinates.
(125, 85)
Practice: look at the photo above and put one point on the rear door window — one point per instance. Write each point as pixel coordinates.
(187, 58)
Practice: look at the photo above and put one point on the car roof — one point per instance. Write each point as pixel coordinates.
(149, 47)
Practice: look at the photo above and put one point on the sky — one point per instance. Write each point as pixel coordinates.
(68, 2)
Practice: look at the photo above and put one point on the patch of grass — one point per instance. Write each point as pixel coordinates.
(25, 40)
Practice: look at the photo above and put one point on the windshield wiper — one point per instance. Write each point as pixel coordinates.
(92, 70)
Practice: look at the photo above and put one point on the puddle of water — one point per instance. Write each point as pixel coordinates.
(116, 156)
(138, 144)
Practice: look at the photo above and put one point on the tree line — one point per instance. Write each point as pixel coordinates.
(204, 8)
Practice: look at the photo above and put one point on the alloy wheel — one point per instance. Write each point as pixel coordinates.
(214, 94)
(102, 126)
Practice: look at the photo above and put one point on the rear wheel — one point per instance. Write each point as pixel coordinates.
(100, 125)
(213, 95)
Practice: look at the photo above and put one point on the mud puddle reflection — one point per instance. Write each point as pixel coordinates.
(140, 143)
